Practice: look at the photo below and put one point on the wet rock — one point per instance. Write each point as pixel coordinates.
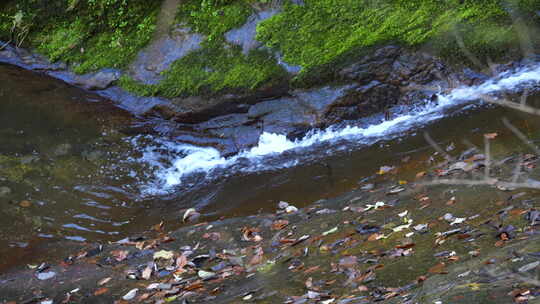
(469, 77)
(62, 150)
(162, 52)
(245, 35)
(99, 80)
(367, 229)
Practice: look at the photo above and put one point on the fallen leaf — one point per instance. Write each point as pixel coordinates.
(214, 236)
(102, 290)
(438, 269)
(257, 257)
(104, 281)
(147, 273)
(374, 237)
(120, 255)
(25, 204)
(279, 224)
(163, 254)
(490, 135)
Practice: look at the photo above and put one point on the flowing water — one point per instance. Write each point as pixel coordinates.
(75, 170)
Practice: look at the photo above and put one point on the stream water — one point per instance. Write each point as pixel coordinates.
(71, 168)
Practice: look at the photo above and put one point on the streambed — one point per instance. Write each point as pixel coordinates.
(77, 170)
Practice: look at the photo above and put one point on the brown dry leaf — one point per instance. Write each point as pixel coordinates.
(373, 237)
(257, 257)
(181, 262)
(120, 255)
(279, 224)
(421, 279)
(499, 243)
(158, 227)
(214, 236)
(195, 285)
(405, 246)
(362, 288)
(309, 283)
(438, 269)
(420, 174)
(312, 269)
(25, 204)
(453, 258)
(250, 233)
(490, 135)
(139, 245)
(517, 211)
(100, 291)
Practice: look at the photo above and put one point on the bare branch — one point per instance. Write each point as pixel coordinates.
(521, 136)
(487, 151)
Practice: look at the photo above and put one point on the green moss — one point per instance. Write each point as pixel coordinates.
(322, 32)
(213, 17)
(14, 170)
(89, 34)
(213, 68)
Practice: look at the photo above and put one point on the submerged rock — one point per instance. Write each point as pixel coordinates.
(4, 191)
(97, 81)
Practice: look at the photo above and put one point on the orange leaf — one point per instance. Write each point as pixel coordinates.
(438, 269)
(490, 135)
(101, 291)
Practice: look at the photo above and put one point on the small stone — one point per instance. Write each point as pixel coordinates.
(45, 275)
(291, 209)
(528, 267)
(205, 275)
(283, 205)
(130, 295)
(448, 217)
(367, 187)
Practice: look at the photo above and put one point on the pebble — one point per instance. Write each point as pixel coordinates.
(291, 209)
(45, 275)
(283, 205)
(130, 295)
(448, 217)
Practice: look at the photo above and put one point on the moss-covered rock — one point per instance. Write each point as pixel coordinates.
(321, 36)
(211, 69)
(323, 32)
(89, 35)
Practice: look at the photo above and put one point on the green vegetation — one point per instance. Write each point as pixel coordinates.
(322, 32)
(211, 69)
(213, 17)
(320, 36)
(89, 34)
(217, 66)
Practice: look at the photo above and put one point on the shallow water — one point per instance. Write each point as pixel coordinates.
(72, 157)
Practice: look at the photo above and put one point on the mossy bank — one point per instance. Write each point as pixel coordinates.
(316, 36)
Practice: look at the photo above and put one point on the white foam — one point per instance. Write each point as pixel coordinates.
(190, 159)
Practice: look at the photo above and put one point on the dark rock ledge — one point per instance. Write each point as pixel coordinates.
(390, 76)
